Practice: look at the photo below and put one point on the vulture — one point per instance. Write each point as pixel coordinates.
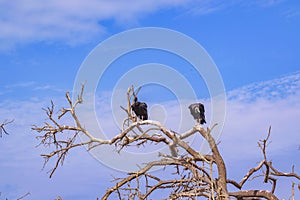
(140, 109)
(197, 111)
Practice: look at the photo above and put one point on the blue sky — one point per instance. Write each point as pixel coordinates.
(255, 46)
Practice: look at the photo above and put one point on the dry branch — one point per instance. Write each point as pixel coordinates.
(268, 174)
(2, 125)
(21, 197)
(253, 194)
(25, 195)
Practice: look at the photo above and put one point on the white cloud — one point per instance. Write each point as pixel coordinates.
(255, 107)
(48, 88)
(247, 123)
(268, 90)
(76, 22)
(21, 85)
(26, 88)
(268, 3)
(69, 21)
(207, 6)
(291, 13)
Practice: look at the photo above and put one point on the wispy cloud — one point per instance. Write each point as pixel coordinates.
(69, 21)
(268, 3)
(27, 88)
(292, 13)
(47, 88)
(268, 90)
(208, 6)
(258, 105)
(261, 3)
(21, 85)
(76, 22)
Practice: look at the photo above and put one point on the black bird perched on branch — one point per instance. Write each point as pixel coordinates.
(197, 110)
(140, 109)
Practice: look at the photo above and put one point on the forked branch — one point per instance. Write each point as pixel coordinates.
(269, 174)
(2, 127)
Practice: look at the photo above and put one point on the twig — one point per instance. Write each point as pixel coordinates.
(25, 195)
(2, 129)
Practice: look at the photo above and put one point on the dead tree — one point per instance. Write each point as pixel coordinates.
(192, 176)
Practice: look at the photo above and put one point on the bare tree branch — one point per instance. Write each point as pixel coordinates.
(270, 170)
(22, 197)
(25, 195)
(254, 193)
(247, 176)
(2, 125)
